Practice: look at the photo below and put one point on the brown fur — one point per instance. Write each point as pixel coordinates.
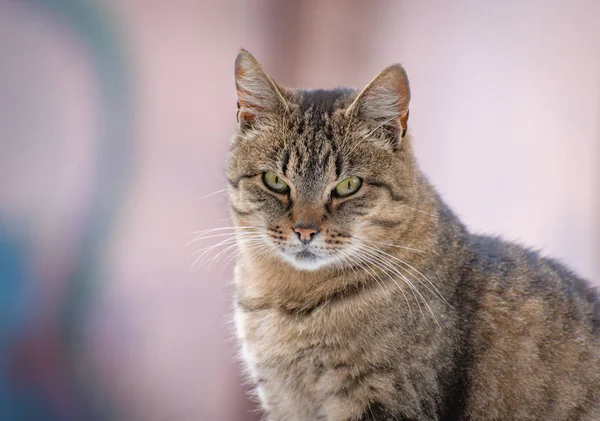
(515, 336)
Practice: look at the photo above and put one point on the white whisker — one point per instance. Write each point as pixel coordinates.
(389, 244)
(202, 253)
(231, 234)
(248, 242)
(383, 260)
(231, 243)
(200, 238)
(418, 210)
(370, 261)
(231, 238)
(412, 287)
(437, 291)
(211, 194)
(227, 228)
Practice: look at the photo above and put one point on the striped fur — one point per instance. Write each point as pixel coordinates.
(489, 330)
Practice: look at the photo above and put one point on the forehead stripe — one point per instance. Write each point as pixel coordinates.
(285, 162)
(339, 163)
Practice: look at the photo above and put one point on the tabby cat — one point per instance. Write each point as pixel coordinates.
(361, 296)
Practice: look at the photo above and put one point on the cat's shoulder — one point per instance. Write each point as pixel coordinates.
(510, 267)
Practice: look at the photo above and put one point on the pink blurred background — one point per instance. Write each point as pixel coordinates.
(115, 118)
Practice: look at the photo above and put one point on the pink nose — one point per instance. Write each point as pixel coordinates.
(305, 233)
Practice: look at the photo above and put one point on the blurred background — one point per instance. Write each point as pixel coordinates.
(115, 118)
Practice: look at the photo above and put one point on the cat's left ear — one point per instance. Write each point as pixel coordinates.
(384, 102)
(258, 95)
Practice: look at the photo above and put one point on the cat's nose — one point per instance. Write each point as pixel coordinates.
(306, 233)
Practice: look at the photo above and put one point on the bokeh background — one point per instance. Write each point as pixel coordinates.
(115, 118)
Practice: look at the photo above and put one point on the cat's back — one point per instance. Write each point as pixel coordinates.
(518, 276)
(536, 328)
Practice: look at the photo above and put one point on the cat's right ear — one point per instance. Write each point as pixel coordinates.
(384, 102)
(258, 95)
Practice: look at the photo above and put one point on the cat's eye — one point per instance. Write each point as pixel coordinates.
(348, 186)
(274, 182)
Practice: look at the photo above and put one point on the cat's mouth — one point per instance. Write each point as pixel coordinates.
(306, 256)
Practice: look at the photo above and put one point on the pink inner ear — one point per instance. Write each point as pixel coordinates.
(386, 99)
(404, 122)
(399, 84)
(248, 101)
(246, 116)
(242, 115)
(396, 83)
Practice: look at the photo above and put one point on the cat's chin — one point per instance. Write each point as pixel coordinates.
(305, 260)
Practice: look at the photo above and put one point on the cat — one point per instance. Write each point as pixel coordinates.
(359, 293)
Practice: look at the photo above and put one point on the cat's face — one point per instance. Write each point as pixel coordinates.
(316, 175)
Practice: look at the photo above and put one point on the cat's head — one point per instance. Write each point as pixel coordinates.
(317, 176)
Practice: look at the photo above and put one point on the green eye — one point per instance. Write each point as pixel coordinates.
(273, 182)
(348, 187)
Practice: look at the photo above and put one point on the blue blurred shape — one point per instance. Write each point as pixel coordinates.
(13, 280)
